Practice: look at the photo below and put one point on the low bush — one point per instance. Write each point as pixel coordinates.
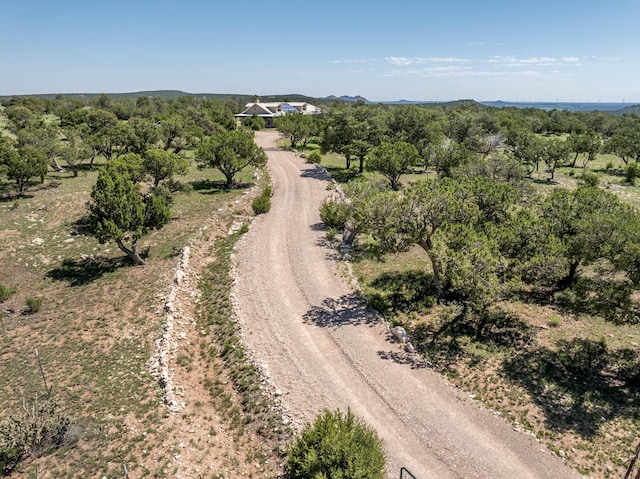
(6, 292)
(631, 172)
(34, 304)
(262, 203)
(336, 445)
(32, 432)
(334, 213)
(315, 157)
(590, 178)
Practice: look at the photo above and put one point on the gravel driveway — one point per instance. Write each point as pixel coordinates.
(322, 349)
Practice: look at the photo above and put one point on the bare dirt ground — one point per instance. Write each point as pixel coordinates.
(321, 348)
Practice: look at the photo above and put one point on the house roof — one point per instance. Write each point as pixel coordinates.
(278, 108)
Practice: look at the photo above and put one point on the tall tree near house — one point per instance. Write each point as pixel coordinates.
(162, 165)
(584, 220)
(445, 155)
(25, 163)
(353, 132)
(338, 134)
(392, 160)
(415, 125)
(119, 211)
(73, 150)
(588, 143)
(626, 145)
(172, 127)
(555, 152)
(45, 137)
(526, 147)
(21, 117)
(102, 134)
(297, 127)
(428, 207)
(141, 135)
(370, 129)
(230, 152)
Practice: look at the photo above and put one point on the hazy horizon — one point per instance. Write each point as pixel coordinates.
(566, 51)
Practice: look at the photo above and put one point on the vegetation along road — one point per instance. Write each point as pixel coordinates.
(322, 349)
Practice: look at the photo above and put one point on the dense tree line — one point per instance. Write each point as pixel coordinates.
(485, 233)
(141, 145)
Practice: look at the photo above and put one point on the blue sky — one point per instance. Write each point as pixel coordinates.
(565, 50)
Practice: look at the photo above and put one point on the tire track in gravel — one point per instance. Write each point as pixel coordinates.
(322, 349)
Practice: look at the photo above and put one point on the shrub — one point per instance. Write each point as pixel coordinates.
(315, 157)
(631, 172)
(331, 233)
(590, 178)
(255, 122)
(32, 432)
(555, 321)
(609, 165)
(334, 213)
(6, 292)
(262, 203)
(336, 445)
(34, 304)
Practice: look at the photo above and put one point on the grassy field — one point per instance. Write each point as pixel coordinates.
(546, 370)
(96, 329)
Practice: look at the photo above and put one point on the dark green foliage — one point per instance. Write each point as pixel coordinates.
(298, 128)
(255, 122)
(315, 157)
(25, 163)
(230, 152)
(392, 160)
(336, 446)
(262, 204)
(6, 292)
(120, 212)
(589, 178)
(334, 213)
(34, 304)
(631, 172)
(32, 432)
(161, 165)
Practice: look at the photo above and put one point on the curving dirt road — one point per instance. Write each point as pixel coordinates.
(323, 350)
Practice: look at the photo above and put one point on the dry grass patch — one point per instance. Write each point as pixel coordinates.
(95, 333)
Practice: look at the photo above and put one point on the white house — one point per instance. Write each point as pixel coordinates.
(271, 110)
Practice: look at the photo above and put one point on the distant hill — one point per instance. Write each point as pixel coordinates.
(347, 98)
(172, 94)
(628, 109)
(612, 108)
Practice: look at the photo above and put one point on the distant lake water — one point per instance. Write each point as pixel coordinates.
(570, 106)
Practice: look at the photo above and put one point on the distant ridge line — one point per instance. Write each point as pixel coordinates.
(617, 108)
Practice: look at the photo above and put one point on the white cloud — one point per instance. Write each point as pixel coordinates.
(349, 61)
(457, 72)
(541, 61)
(404, 61)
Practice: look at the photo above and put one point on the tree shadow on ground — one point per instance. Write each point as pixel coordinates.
(415, 361)
(345, 311)
(609, 299)
(617, 172)
(412, 290)
(317, 173)
(580, 384)
(462, 335)
(211, 187)
(79, 272)
(601, 296)
(342, 175)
